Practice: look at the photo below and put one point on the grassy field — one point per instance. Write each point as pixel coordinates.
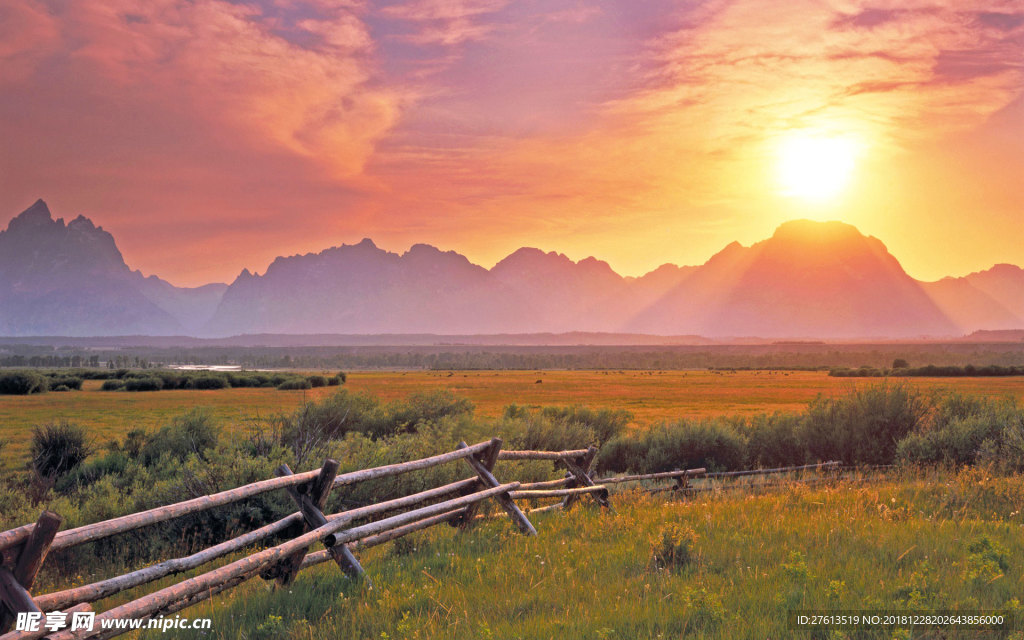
(916, 542)
(925, 540)
(651, 396)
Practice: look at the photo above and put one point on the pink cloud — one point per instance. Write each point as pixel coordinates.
(447, 22)
(226, 64)
(27, 34)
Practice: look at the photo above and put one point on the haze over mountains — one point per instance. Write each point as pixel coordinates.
(809, 280)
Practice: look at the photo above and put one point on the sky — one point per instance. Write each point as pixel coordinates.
(211, 135)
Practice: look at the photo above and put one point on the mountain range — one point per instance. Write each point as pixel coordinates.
(822, 280)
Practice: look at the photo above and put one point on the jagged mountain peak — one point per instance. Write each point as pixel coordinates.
(809, 279)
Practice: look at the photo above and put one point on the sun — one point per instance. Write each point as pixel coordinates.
(815, 167)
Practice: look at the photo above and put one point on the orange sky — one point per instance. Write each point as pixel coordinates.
(209, 135)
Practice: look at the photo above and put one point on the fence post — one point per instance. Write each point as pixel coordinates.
(311, 505)
(580, 469)
(517, 516)
(488, 460)
(683, 483)
(15, 585)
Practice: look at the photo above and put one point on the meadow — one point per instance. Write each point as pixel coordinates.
(727, 565)
(942, 530)
(651, 396)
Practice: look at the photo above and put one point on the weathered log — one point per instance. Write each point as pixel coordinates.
(517, 516)
(387, 536)
(580, 469)
(401, 503)
(550, 507)
(99, 590)
(559, 493)
(199, 587)
(761, 472)
(11, 541)
(547, 484)
(14, 595)
(488, 459)
(33, 554)
(405, 467)
(100, 530)
(652, 476)
(311, 506)
(42, 631)
(541, 455)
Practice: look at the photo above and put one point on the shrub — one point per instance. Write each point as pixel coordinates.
(674, 547)
(317, 381)
(714, 443)
(209, 382)
(967, 430)
(192, 432)
(114, 462)
(57, 448)
(776, 440)
(112, 385)
(68, 382)
(143, 384)
(308, 430)
(864, 426)
(421, 407)
(22, 383)
(334, 381)
(294, 384)
(605, 423)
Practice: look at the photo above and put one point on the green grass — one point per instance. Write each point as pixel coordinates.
(915, 542)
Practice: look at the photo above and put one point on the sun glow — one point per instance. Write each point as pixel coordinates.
(815, 167)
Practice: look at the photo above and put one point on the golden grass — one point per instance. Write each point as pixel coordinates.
(651, 396)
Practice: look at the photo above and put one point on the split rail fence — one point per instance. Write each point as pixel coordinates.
(23, 550)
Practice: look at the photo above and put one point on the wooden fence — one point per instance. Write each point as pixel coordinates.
(23, 550)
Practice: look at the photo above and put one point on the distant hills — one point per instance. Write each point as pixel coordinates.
(810, 280)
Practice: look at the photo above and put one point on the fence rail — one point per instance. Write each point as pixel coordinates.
(23, 550)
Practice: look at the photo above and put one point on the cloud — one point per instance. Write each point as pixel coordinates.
(27, 34)
(446, 22)
(305, 88)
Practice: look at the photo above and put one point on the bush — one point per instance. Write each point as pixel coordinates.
(605, 423)
(294, 384)
(192, 432)
(776, 440)
(317, 381)
(57, 448)
(421, 407)
(714, 443)
(68, 382)
(334, 381)
(209, 382)
(864, 426)
(534, 431)
(143, 384)
(674, 547)
(308, 430)
(966, 430)
(112, 385)
(22, 383)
